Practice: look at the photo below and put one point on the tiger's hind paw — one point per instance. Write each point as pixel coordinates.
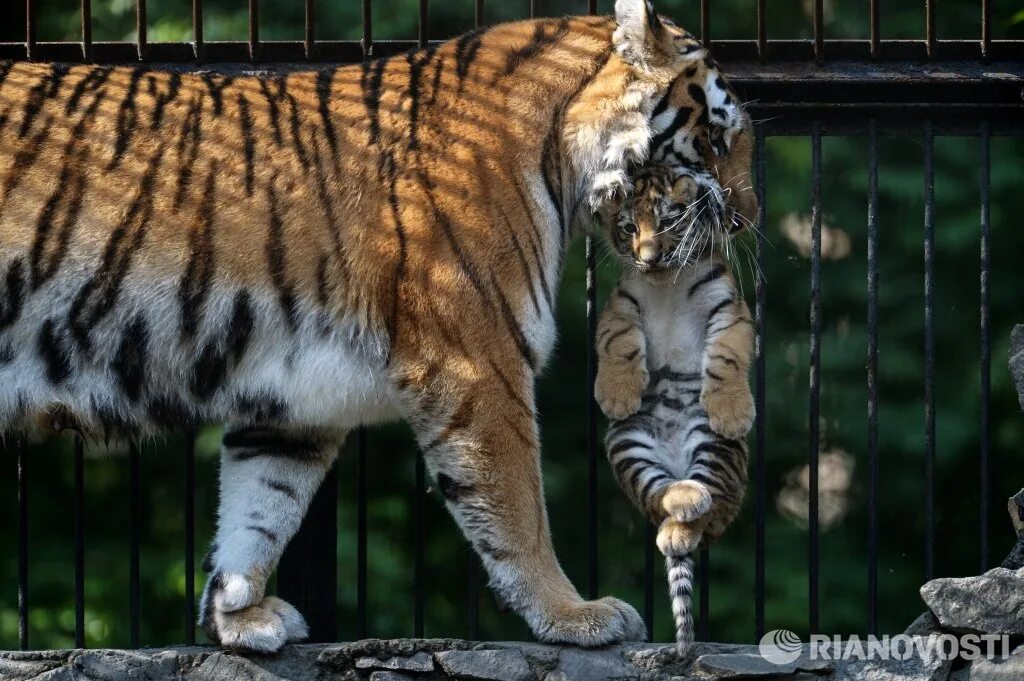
(678, 539)
(263, 628)
(686, 500)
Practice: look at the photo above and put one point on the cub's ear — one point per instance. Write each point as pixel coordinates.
(640, 34)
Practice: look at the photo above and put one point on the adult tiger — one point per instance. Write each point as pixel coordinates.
(299, 255)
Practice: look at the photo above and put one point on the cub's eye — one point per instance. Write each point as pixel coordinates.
(629, 228)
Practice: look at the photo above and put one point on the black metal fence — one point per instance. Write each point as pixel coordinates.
(814, 88)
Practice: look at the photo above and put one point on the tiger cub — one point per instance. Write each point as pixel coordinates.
(674, 346)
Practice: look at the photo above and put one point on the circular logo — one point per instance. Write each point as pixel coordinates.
(781, 646)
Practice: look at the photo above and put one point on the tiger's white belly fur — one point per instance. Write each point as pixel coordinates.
(247, 361)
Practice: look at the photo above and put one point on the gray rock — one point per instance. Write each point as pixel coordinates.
(754, 666)
(1017, 360)
(1010, 669)
(913, 669)
(14, 669)
(485, 665)
(389, 676)
(420, 662)
(226, 667)
(577, 664)
(924, 624)
(992, 603)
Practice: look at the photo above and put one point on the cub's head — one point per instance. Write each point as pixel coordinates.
(672, 218)
(693, 119)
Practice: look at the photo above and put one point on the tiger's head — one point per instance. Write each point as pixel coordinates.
(677, 109)
(671, 219)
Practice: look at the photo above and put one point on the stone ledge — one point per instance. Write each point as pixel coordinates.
(442, 659)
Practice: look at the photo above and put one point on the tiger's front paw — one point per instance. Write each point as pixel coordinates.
(619, 389)
(730, 409)
(590, 624)
(678, 539)
(263, 628)
(686, 500)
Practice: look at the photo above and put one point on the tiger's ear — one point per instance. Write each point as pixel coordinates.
(640, 35)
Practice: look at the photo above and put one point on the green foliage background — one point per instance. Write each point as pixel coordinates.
(563, 391)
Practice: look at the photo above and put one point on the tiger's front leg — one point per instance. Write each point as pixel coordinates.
(621, 356)
(725, 392)
(268, 477)
(478, 433)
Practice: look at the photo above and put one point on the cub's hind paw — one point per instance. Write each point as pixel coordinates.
(262, 628)
(730, 410)
(619, 390)
(678, 539)
(686, 500)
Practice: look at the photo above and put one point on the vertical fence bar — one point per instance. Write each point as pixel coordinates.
(986, 341)
(814, 411)
(533, 8)
(760, 361)
(22, 545)
(986, 29)
(819, 31)
(254, 30)
(762, 30)
(78, 506)
(650, 535)
(873, 377)
(134, 532)
(705, 594)
(929, 350)
(30, 30)
(592, 6)
(929, 18)
(310, 36)
(478, 13)
(190, 539)
(591, 421)
(875, 21)
(929, 340)
(197, 30)
(705, 22)
(141, 39)
(361, 513)
(87, 30)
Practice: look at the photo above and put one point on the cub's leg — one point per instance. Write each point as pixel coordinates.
(268, 477)
(621, 356)
(725, 392)
(478, 432)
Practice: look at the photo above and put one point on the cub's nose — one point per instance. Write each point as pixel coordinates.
(648, 253)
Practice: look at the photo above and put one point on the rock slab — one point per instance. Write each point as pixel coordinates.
(1017, 360)
(485, 665)
(992, 603)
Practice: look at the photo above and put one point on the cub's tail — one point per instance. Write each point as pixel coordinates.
(680, 589)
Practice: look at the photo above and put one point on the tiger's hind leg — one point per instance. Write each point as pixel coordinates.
(268, 477)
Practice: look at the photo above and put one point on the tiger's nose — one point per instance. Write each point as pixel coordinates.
(648, 253)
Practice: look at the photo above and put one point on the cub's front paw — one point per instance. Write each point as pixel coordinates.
(730, 409)
(589, 624)
(618, 390)
(686, 500)
(678, 539)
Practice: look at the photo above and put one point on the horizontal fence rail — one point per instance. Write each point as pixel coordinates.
(817, 88)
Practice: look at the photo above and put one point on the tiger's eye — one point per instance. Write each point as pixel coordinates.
(629, 228)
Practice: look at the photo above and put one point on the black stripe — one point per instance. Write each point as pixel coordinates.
(98, 296)
(14, 293)
(276, 262)
(215, 84)
(93, 80)
(453, 490)
(188, 139)
(662, 105)
(417, 62)
(527, 274)
(24, 159)
(722, 358)
(622, 466)
(5, 70)
(296, 130)
(241, 327)
(649, 485)
(512, 324)
(273, 100)
(623, 445)
(399, 272)
(618, 334)
(45, 89)
(256, 442)
(195, 283)
(282, 487)
(371, 82)
(540, 40)
(466, 49)
(718, 308)
(508, 386)
(270, 536)
(697, 93)
(163, 98)
(126, 118)
(248, 143)
(129, 364)
(323, 97)
(54, 354)
(209, 371)
(716, 272)
(682, 118)
(622, 294)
